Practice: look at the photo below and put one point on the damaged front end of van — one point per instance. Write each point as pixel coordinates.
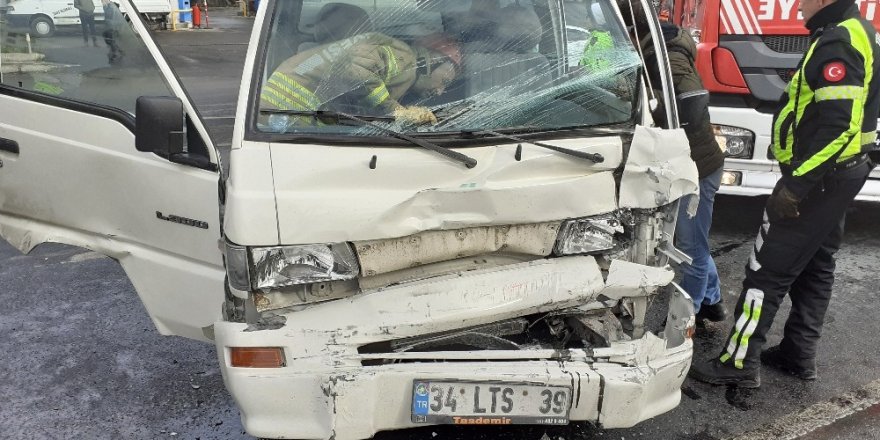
(504, 261)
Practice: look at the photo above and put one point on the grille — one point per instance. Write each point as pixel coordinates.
(787, 43)
(786, 74)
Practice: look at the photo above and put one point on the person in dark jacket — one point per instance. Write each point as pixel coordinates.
(700, 278)
(87, 20)
(113, 21)
(826, 123)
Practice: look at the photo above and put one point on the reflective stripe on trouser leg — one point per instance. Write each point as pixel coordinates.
(759, 242)
(745, 327)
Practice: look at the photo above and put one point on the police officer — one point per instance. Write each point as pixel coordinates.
(826, 124)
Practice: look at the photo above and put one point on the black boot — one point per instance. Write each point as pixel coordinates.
(715, 372)
(714, 312)
(774, 357)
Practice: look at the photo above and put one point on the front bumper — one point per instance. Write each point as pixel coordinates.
(326, 391)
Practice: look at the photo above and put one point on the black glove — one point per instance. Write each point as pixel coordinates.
(782, 204)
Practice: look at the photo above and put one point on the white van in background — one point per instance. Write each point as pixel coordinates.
(155, 12)
(41, 17)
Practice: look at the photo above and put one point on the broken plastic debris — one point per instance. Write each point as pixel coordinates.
(659, 169)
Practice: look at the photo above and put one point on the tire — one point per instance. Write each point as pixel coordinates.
(42, 26)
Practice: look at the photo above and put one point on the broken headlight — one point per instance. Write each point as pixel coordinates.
(260, 268)
(587, 235)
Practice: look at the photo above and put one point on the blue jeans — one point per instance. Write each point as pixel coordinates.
(700, 279)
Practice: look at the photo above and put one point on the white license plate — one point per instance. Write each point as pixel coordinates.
(489, 403)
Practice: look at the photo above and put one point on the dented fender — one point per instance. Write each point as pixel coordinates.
(626, 279)
(658, 170)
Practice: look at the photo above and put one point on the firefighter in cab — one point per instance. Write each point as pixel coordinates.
(368, 72)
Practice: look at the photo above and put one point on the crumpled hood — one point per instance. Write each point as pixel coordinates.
(331, 194)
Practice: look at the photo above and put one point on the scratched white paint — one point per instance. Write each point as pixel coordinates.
(658, 170)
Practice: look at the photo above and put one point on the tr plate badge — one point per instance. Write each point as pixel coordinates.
(420, 402)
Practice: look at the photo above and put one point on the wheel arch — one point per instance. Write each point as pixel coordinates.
(36, 18)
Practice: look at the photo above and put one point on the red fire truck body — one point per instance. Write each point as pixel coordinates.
(747, 52)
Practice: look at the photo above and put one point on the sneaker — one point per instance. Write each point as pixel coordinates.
(774, 357)
(712, 312)
(715, 372)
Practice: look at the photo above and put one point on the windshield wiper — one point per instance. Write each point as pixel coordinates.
(594, 157)
(468, 161)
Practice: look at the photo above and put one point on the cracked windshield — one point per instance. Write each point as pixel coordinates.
(432, 66)
(82, 50)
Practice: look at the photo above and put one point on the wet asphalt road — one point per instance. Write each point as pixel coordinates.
(81, 358)
(862, 426)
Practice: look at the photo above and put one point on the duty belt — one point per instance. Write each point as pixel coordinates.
(851, 162)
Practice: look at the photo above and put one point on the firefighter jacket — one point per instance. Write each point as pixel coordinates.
(828, 115)
(370, 70)
(682, 53)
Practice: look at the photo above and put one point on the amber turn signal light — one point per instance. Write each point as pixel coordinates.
(257, 357)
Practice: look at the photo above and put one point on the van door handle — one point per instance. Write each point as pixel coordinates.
(9, 145)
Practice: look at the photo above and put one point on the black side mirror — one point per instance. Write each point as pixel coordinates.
(159, 125)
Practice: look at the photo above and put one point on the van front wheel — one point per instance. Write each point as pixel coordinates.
(42, 26)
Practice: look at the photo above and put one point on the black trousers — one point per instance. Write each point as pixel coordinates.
(110, 36)
(796, 257)
(87, 21)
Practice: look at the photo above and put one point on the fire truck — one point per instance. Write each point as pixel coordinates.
(747, 51)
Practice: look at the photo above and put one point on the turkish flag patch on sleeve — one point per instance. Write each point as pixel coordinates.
(834, 71)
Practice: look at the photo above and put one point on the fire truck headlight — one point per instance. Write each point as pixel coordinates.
(734, 141)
